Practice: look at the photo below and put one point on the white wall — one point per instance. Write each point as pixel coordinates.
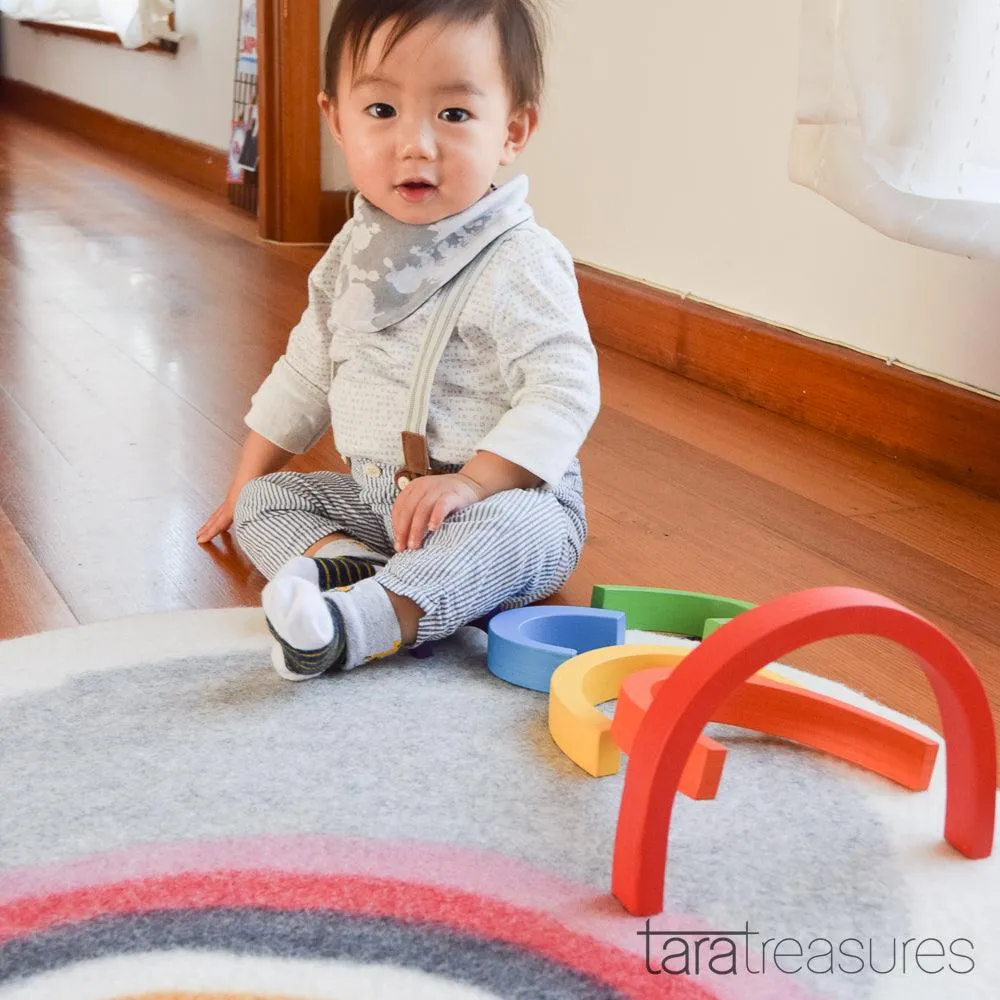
(189, 94)
(663, 155)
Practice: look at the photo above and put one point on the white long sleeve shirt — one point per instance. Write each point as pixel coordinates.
(518, 377)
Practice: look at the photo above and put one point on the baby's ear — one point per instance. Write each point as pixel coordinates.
(328, 107)
(520, 126)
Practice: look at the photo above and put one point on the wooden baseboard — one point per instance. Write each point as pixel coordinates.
(188, 161)
(916, 419)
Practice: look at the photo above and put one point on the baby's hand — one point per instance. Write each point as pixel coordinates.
(426, 502)
(220, 521)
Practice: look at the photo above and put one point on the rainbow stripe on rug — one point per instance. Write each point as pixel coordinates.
(178, 822)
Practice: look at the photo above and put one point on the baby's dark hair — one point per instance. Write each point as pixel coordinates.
(519, 23)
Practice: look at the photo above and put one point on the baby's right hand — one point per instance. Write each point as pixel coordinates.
(220, 521)
(258, 457)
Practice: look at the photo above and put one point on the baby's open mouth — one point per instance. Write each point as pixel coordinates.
(415, 190)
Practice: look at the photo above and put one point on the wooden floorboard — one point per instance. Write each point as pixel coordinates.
(139, 314)
(29, 602)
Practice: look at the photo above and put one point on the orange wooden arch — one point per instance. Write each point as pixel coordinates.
(793, 713)
(710, 673)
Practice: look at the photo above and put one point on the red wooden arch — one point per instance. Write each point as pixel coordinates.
(727, 658)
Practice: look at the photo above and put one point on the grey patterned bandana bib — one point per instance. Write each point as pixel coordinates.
(389, 269)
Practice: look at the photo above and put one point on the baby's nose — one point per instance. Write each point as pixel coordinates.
(416, 141)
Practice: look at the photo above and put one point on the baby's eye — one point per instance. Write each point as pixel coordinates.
(380, 110)
(455, 115)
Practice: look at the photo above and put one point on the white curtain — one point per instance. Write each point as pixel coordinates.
(898, 117)
(136, 22)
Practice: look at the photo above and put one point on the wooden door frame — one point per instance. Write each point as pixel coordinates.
(290, 206)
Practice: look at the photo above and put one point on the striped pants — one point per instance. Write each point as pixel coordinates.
(508, 551)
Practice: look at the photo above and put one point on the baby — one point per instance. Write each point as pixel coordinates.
(444, 340)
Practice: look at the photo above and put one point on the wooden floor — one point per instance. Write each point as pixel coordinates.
(138, 315)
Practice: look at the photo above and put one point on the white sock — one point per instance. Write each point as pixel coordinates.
(298, 568)
(296, 610)
(371, 627)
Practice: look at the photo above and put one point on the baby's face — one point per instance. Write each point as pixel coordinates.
(425, 129)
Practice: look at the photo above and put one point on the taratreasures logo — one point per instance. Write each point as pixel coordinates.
(748, 953)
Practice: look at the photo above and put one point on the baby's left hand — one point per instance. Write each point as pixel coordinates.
(426, 502)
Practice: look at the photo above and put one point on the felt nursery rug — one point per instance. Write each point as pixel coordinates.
(179, 822)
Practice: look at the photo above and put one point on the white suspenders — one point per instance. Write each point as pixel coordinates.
(416, 458)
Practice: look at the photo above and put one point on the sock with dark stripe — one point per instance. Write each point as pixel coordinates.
(342, 571)
(340, 563)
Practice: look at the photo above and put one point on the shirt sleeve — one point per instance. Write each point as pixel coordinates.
(546, 356)
(291, 408)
